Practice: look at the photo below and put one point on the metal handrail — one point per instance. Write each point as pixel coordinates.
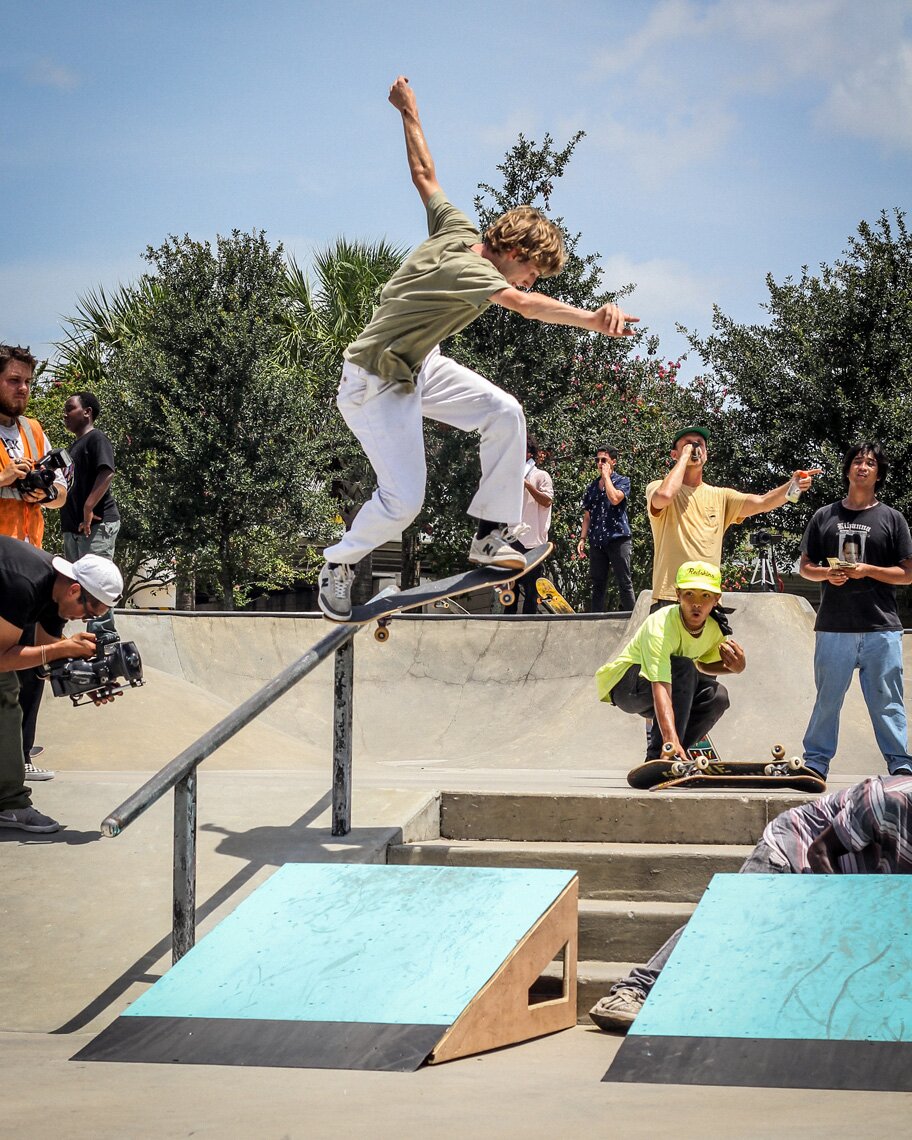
(180, 773)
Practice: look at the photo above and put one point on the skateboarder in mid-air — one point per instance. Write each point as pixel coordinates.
(395, 374)
(862, 830)
(653, 676)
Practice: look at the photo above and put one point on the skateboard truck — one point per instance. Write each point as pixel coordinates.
(781, 766)
(681, 767)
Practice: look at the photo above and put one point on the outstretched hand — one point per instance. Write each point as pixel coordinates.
(613, 321)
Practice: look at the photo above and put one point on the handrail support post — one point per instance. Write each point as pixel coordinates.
(183, 932)
(343, 701)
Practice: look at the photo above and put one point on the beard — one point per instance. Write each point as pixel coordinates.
(13, 406)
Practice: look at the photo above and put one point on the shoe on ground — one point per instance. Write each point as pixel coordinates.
(28, 819)
(334, 598)
(36, 750)
(618, 1010)
(33, 773)
(494, 549)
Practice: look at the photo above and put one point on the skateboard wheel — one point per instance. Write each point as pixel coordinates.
(769, 770)
(778, 752)
(381, 633)
(795, 764)
(668, 749)
(507, 597)
(678, 768)
(702, 763)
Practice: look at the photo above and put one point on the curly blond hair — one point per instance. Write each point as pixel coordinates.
(527, 232)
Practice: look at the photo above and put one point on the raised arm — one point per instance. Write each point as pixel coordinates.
(421, 165)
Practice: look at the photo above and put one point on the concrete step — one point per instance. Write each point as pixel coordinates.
(613, 929)
(633, 872)
(722, 817)
(593, 981)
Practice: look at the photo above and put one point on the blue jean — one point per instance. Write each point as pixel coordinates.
(878, 659)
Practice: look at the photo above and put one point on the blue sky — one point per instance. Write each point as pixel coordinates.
(724, 139)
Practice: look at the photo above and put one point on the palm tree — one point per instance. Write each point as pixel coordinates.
(325, 316)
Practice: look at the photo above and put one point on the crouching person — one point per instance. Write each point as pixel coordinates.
(47, 592)
(667, 671)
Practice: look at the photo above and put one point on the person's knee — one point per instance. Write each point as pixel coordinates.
(721, 701)
(506, 409)
(403, 506)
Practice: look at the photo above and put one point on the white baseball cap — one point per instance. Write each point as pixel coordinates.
(98, 576)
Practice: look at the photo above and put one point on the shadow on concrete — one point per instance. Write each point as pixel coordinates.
(261, 847)
(64, 835)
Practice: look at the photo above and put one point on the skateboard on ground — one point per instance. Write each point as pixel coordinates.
(701, 770)
(550, 599)
(381, 609)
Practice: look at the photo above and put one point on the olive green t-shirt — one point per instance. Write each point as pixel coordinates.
(441, 287)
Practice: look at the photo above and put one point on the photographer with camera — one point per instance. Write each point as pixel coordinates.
(46, 592)
(32, 477)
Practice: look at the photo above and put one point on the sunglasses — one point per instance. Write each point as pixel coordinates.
(92, 606)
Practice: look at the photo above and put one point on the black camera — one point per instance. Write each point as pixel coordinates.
(42, 475)
(115, 667)
(760, 538)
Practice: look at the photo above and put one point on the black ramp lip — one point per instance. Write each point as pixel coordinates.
(269, 1044)
(860, 1066)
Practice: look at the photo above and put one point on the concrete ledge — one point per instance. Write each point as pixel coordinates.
(657, 872)
(619, 817)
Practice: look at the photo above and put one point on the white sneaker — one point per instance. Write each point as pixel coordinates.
(619, 1010)
(28, 819)
(334, 598)
(494, 549)
(33, 773)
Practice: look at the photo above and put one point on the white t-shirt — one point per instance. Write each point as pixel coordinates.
(536, 517)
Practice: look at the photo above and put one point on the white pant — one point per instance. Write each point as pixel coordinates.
(386, 417)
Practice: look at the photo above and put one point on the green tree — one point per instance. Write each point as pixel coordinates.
(206, 414)
(832, 365)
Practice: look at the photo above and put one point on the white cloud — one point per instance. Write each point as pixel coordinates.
(46, 72)
(666, 290)
(688, 61)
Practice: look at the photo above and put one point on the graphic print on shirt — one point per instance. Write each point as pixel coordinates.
(852, 540)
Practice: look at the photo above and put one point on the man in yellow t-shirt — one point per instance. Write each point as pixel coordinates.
(654, 673)
(689, 517)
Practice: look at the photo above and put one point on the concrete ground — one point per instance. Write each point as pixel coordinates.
(447, 704)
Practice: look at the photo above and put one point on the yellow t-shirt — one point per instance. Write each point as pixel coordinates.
(662, 636)
(441, 287)
(690, 528)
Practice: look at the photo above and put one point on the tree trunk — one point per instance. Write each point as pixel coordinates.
(185, 590)
(410, 566)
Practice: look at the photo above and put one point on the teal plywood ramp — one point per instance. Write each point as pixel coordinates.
(798, 981)
(353, 966)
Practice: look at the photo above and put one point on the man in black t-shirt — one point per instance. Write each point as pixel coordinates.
(860, 550)
(90, 519)
(38, 589)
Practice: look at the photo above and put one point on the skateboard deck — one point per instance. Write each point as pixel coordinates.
(550, 599)
(381, 609)
(700, 770)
